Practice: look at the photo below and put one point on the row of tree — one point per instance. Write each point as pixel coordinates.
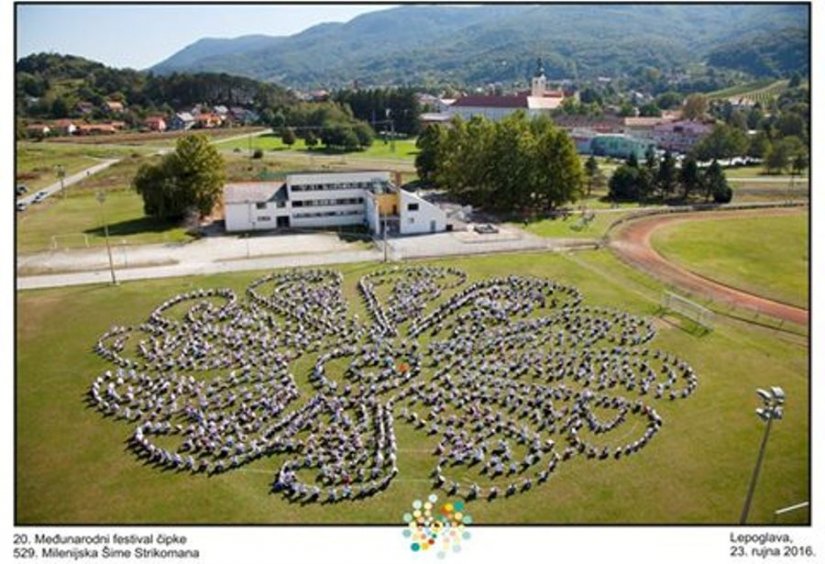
(392, 108)
(663, 179)
(513, 165)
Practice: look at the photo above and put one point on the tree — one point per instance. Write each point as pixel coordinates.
(624, 184)
(364, 134)
(695, 107)
(795, 80)
(783, 152)
(666, 175)
(591, 169)
(60, 107)
(650, 110)
(428, 145)
(589, 95)
(310, 139)
(627, 110)
(759, 145)
(716, 185)
(723, 142)
(288, 137)
(191, 177)
(689, 177)
(669, 100)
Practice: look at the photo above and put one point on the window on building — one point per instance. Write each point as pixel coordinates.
(412, 207)
(281, 204)
(264, 218)
(297, 204)
(260, 206)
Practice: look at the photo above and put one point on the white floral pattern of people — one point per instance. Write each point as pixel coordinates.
(513, 376)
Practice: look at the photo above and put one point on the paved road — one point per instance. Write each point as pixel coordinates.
(229, 253)
(69, 180)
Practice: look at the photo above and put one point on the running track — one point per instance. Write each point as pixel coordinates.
(632, 244)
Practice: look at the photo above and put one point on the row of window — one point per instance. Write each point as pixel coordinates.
(338, 186)
(327, 214)
(262, 205)
(338, 202)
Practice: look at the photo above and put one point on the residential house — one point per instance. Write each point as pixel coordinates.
(155, 123)
(113, 107)
(85, 107)
(207, 120)
(96, 129)
(37, 130)
(64, 127)
(181, 121)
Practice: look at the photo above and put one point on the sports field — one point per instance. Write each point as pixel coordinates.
(402, 149)
(73, 464)
(767, 256)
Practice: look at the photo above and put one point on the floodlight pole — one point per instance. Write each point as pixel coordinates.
(101, 197)
(752, 487)
(773, 400)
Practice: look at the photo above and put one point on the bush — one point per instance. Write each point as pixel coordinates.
(258, 154)
(723, 194)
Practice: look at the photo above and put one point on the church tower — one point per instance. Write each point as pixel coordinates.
(539, 85)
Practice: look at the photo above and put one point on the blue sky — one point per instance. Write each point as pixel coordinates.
(139, 36)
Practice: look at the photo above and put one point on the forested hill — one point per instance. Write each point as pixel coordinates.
(775, 54)
(490, 43)
(59, 82)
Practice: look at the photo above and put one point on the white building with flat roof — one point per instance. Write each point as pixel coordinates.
(330, 200)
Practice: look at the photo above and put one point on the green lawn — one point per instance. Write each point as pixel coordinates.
(72, 466)
(763, 255)
(574, 227)
(404, 148)
(77, 221)
(36, 164)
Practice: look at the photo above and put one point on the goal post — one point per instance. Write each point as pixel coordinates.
(689, 309)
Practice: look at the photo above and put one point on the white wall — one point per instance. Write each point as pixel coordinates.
(421, 221)
(247, 217)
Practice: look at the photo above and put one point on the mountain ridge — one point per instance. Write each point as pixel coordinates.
(488, 43)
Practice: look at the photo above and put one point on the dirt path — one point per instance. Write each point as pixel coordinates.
(632, 244)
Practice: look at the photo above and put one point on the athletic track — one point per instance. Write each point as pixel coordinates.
(632, 244)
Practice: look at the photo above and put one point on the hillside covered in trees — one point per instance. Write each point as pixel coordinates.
(466, 46)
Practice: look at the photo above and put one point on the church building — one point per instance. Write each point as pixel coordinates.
(534, 102)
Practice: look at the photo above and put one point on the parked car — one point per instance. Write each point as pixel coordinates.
(21, 206)
(485, 228)
(40, 196)
(21, 189)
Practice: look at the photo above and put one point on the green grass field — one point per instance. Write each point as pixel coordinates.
(72, 466)
(767, 256)
(574, 228)
(405, 149)
(77, 220)
(36, 164)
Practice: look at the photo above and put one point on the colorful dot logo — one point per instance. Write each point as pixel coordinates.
(439, 528)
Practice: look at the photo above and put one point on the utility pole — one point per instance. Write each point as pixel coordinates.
(101, 197)
(384, 220)
(61, 174)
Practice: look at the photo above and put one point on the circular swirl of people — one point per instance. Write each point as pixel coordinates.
(513, 376)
